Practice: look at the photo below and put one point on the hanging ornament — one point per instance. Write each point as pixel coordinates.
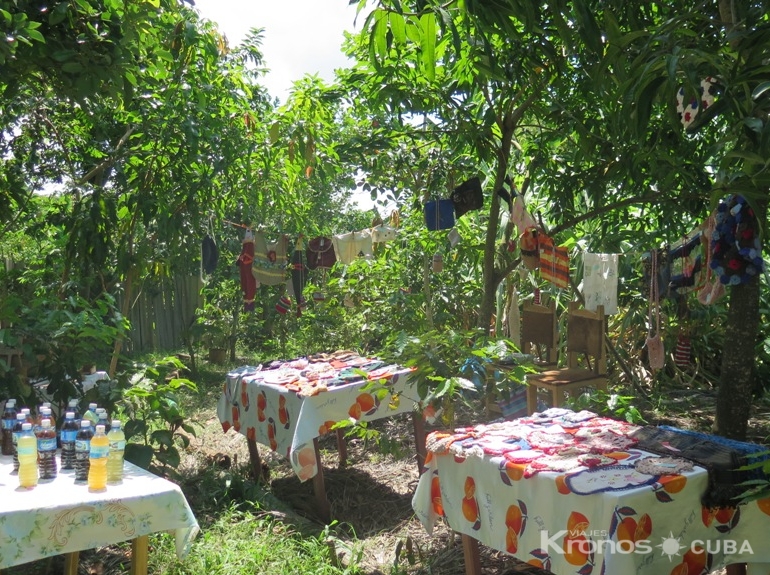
(438, 263)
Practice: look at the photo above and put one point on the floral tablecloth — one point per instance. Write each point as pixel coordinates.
(574, 495)
(59, 516)
(280, 407)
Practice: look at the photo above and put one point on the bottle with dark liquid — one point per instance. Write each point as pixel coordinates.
(83, 450)
(46, 450)
(69, 431)
(9, 420)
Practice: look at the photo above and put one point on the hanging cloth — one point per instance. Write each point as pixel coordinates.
(320, 253)
(467, 196)
(554, 262)
(270, 259)
(512, 317)
(600, 282)
(712, 289)
(655, 351)
(520, 216)
(530, 253)
(349, 247)
(244, 263)
(298, 275)
(209, 254)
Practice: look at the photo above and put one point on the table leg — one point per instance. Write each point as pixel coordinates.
(255, 460)
(324, 510)
(471, 555)
(531, 399)
(139, 555)
(418, 423)
(736, 569)
(71, 563)
(342, 448)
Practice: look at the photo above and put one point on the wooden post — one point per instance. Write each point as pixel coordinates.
(342, 448)
(71, 563)
(139, 555)
(471, 555)
(324, 509)
(255, 460)
(418, 423)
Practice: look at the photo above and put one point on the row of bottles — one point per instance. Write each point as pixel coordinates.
(94, 446)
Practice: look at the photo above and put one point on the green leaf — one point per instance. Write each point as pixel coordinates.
(759, 90)
(398, 28)
(138, 454)
(428, 44)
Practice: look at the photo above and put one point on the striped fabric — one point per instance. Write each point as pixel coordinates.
(270, 259)
(554, 262)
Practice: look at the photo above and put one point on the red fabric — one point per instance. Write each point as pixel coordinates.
(248, 282)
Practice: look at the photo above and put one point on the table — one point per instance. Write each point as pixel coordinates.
(279, 407)
(600, 517)
(58, 517)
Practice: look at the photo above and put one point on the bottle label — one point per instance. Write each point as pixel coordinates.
(99, 451)
(83, 445)
(16, 437)
(68, 435)
(46, 444)
(8, 423)
(119, 445)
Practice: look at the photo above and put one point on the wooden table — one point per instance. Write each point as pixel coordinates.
(59, 517)
(603, 520)
(290, 422)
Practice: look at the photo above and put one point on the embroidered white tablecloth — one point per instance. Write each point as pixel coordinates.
(288, 421)
(604, 520)
(59, 516)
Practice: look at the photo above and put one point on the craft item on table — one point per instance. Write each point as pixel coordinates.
(663, 465)
(521, 217)
(569, 460)
(607, 478)
(600, 282)
(700, 101)
(654, 343)
(209, 254)
(549, 415)
(439, 214)
(550, 442)
(439, 442)
(736, 252)
(530, 252)
(467, 197)
(320, 253)
(712, 289)
(383, 233)
(579, 416)
(554, 262)
(602, 440)
(299, 275)
(351, 246)
(244, 263)
(270, 259)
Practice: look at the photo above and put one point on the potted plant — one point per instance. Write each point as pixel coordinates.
(214, 326)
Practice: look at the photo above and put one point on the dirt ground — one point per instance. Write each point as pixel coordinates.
(386, 531)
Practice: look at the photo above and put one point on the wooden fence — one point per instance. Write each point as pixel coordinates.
(161, 314)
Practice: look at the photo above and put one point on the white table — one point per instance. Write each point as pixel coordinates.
(59, 517)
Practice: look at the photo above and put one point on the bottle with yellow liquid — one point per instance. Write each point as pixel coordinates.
(97, 470)
(117, 448)
(27, 451)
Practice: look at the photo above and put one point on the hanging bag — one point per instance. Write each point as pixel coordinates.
(320, 253)
(554, 262)
(655, 351)
(439, 215)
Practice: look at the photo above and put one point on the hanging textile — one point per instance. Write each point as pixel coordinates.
(554, 262)
(244, 263)
(209, 254)
(520, 216)
(298, 275)
(530, 253)
(467, 196)
(349, 247)
(512, 317)
(320, 253)
(600, 282)
(711, 289)
(736, 251)
(270, 259)
(383, 233)
(439, 215)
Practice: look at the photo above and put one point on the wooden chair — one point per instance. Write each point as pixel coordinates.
(586, 359)
(539, 334)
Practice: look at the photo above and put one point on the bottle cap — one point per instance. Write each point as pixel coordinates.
(69, 415)
(85, 423)
(92, 406)
(73, 402)
(99, 429)
(26, 426)
(115, 423)
(20, 417)
(10, 403)
(45, 423)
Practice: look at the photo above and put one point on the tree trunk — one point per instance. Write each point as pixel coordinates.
(734, 396)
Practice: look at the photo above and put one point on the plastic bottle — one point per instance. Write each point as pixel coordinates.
(83, 450)
(74, 407)
(46, 450)
(26, 411)
(17, 429)
(100, 450)
(9, 419)
(117, 448)
(27, 457)
(90, 414)
(69, 432)
(103, 419)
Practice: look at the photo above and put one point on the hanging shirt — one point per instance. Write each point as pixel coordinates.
(352, 246)
(600, 282)
(270, 259)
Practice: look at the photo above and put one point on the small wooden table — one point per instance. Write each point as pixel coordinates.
(59, 517)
